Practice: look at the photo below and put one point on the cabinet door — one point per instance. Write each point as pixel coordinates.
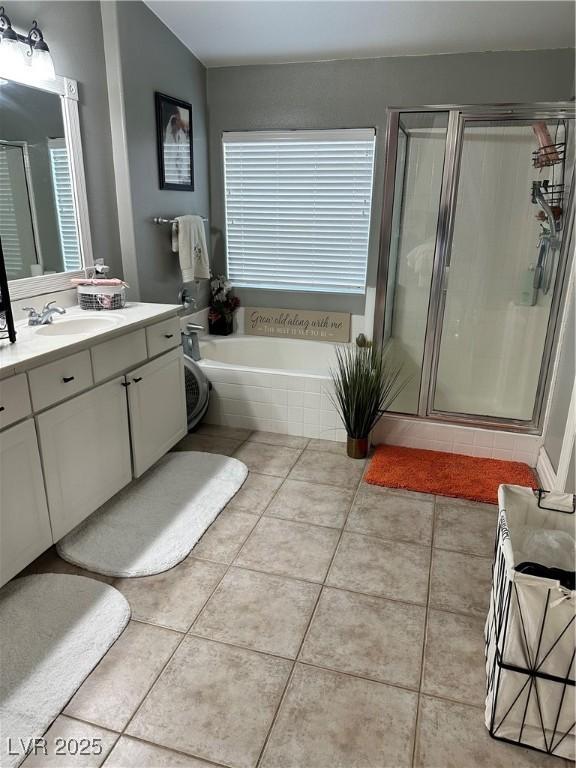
(157, 402)
(85, 446)
(24, 524)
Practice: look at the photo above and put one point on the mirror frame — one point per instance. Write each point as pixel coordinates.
(67, 89)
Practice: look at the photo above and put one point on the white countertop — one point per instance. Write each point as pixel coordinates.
(35, 347)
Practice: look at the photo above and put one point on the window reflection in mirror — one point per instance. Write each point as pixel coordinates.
(38, 224)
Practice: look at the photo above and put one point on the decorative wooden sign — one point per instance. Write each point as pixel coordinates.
(297, 324)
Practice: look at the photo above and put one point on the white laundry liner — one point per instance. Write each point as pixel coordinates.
(530, 634)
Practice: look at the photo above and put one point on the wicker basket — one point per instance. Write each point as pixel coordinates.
(98, 297)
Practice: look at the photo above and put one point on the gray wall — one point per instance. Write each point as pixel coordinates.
(155, 60)
(349, 94)
(73, 31)
(562, 390)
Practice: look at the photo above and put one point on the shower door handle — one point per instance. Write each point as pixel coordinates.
(537, 277)
(445, 278)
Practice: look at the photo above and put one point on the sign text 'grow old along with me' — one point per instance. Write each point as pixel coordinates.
(297, 324)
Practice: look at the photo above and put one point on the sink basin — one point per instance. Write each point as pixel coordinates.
(78, 326)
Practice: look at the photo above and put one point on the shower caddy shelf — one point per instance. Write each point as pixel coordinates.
(553, 194)
(552, 154)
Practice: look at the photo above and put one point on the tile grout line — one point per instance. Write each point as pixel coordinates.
(425, 638)
(92, 725)
(120, 735)
(309, 623)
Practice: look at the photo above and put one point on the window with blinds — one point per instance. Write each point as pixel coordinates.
(8, 224)
(298, 209)
(65, 207)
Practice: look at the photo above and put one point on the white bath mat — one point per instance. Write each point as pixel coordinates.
(54, 629)
(154, 524)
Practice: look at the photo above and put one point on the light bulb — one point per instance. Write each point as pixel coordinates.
(42, 64)
(11, 57)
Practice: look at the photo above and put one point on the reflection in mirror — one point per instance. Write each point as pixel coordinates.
(38, 223)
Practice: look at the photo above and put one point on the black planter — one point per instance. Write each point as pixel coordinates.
(224, 326)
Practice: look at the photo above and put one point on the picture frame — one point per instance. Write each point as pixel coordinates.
(174, 143)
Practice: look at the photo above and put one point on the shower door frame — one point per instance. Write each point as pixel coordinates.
(458, 116)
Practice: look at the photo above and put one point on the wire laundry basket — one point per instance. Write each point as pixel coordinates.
(530, 638)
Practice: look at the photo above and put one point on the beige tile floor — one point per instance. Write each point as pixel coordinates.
(319, 623)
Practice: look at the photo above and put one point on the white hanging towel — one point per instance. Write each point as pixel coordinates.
(190, 242)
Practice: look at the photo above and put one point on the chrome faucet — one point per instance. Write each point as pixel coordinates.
(45, 317)
(190, 340)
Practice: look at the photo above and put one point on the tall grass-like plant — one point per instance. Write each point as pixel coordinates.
(366, 382)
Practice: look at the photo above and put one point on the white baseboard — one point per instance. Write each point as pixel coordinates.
(546, 471)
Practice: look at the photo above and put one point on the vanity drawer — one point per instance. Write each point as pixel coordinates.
(118, 355)
(14, 400)
(163, 336)
(56, 381)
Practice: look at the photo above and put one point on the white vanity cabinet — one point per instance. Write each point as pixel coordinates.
(157, 403)
(85, 448)
(76, 429)
(24, 523)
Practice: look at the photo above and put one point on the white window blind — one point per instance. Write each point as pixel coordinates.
(298, 209)
(8, 225)
(65, 207)
(177, 163)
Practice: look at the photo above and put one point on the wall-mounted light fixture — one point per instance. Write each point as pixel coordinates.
(21, 54)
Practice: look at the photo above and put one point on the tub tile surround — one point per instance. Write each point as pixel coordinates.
(282, 403)
(264, 667)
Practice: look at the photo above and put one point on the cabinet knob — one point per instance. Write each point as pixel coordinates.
(2, 408)
(66, 379)
(125, 383)
(137, 379)
(168, 335)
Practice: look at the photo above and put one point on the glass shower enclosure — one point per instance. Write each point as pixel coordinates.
(475, 256)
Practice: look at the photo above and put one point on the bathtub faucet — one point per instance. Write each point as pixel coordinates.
(190, 340)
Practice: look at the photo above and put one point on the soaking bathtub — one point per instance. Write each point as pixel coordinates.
(270, 384)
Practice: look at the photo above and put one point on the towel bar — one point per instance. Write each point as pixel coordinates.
(162, 220)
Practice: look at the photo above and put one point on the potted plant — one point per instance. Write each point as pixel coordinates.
(366, 381)
(223, 304)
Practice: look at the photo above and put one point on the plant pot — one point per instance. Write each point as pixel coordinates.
(357, 447)
(224, 326)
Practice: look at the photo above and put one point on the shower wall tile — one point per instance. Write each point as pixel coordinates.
(484, 439)
(415, 433)
(502, 453)
(504, 441)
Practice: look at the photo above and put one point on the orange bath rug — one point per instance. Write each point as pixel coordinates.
(445, 474)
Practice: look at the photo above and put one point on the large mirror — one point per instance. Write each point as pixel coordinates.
(43, 216)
